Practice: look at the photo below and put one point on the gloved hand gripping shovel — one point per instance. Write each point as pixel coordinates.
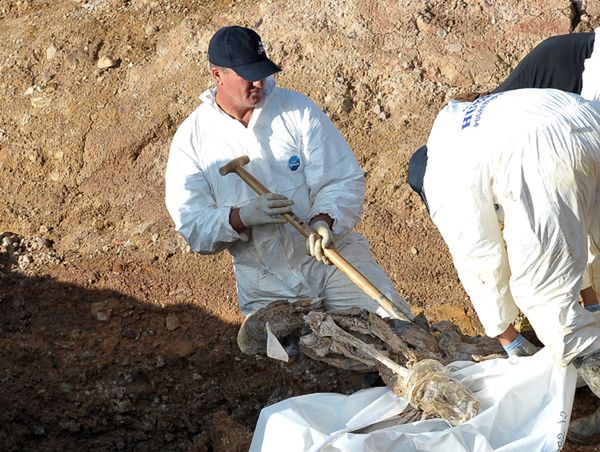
(236, 166)
(426, 384)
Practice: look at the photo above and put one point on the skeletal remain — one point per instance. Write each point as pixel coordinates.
(426, 384)
(410, 414)
(459, 347)
(409, 357)
(285, 320)
(407, 342)
(430, 388)
(324, 326)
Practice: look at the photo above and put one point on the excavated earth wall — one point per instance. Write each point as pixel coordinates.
(113, 335)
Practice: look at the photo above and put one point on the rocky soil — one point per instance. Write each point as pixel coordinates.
(113, 335)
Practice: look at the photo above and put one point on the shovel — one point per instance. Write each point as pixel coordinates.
(236, 166)
(428, 386)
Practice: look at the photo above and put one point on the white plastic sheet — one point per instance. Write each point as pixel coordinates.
(525, 406)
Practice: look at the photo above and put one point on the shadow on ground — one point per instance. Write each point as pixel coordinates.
(86, 369)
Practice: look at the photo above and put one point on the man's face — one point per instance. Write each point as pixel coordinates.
(237, 91)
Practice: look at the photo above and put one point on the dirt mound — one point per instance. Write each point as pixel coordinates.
(114, 335)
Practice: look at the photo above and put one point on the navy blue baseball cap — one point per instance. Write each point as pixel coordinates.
(241, 49)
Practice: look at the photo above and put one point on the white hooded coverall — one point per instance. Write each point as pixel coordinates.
(536, 154)
(296, 151)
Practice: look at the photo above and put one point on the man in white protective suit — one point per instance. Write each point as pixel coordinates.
(535, 154)
(568, 62)
(296, 152)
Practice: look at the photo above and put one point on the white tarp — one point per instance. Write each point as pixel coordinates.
(525, 406)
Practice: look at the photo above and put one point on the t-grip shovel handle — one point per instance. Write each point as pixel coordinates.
(237, 166)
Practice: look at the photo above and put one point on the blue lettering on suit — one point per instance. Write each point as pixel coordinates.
(474, 111)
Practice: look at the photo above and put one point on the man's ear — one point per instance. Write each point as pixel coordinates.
(215, 72)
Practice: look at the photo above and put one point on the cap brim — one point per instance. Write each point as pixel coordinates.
(257, 71)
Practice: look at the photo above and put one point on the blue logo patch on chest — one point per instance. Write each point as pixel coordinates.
(294, 163)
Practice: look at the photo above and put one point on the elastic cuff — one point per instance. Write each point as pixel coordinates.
(236, 221)
(322, 217)
(520, 339)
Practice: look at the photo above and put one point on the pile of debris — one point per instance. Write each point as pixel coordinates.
(26, 255)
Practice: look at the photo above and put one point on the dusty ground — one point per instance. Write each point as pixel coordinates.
(113, 336)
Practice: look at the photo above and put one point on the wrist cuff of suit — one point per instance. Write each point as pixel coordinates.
(592, 307)
(519, 340)
(322, 217)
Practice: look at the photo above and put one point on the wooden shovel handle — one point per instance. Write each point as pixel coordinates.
(336, 259)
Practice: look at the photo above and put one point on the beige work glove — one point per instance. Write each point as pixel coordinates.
(315, 244)
(266, 209)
